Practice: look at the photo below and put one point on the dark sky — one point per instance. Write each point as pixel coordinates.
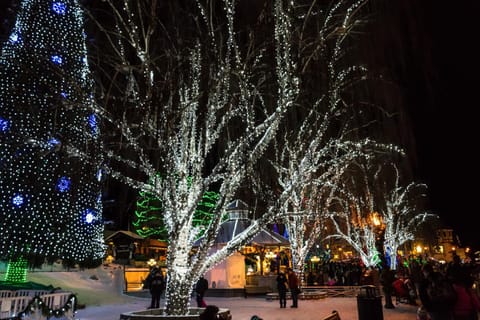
(445, 117)
(439, 67)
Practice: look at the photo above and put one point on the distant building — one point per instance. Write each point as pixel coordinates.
(126, 247)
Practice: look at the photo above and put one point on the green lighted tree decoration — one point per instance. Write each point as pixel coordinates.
(50, 204)
(149, 221)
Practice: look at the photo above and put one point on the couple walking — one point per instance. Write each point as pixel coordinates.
(288, 281)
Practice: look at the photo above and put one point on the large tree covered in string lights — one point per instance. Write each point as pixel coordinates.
(375, 212)
(401, 208)
(353, 213)
(201, 100)
(321, 146)
(321, 165)
(207, 127)
(50, 206)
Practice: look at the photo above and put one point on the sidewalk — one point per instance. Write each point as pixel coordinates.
(243, 308)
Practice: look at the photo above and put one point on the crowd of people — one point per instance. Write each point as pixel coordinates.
(448, 291)
(442, 291)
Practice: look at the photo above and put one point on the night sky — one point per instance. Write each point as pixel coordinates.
(444, 115)
(439, 66)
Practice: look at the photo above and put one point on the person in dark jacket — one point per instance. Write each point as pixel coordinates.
(157, 285)
(294, 285)
(200, 288)
(282, 289)
(387, 278)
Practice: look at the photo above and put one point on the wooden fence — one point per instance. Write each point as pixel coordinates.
(37, 304)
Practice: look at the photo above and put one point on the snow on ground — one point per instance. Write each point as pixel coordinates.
(93, 287)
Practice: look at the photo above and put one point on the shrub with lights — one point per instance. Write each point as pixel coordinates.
(50, 204)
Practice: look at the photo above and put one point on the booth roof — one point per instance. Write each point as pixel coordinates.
(233, 227)
(266, 237)
(125, 233)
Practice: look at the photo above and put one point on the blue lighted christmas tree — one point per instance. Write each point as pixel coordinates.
(50, 204)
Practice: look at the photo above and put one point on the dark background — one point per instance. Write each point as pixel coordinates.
(432, 47)
(444, 115)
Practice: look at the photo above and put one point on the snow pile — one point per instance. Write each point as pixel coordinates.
(93, 287)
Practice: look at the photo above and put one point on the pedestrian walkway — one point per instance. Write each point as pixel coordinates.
(243, 309)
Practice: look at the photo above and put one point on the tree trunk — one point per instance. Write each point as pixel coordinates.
(177, 295)
(180, 277)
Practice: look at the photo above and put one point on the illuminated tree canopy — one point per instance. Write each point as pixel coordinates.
(374, 212)
(51, 206)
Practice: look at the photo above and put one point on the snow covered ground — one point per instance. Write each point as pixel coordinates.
(93, 287)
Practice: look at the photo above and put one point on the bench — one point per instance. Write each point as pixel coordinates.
(333, 316)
